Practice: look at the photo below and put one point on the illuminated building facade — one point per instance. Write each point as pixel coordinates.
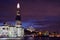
(13, 31)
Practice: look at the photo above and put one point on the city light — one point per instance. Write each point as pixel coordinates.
(18, 6)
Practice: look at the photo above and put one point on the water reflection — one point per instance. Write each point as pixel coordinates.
(41, 38)
(32, 38)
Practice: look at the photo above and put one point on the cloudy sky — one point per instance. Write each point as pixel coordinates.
(43, 13)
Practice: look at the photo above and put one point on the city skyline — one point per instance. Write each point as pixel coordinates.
(40, 12)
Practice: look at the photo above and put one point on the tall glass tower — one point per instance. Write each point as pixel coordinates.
(19, 29)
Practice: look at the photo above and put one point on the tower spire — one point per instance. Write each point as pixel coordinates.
(18, 4)
(18, 15)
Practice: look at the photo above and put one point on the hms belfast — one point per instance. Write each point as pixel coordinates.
(13, 31)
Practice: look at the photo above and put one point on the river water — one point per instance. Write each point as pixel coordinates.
(32, 38)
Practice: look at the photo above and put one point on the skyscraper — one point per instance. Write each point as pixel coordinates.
(20, 30)
(18, 16)
(13, 30)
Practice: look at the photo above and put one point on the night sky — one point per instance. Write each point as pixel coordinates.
(41, 14)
